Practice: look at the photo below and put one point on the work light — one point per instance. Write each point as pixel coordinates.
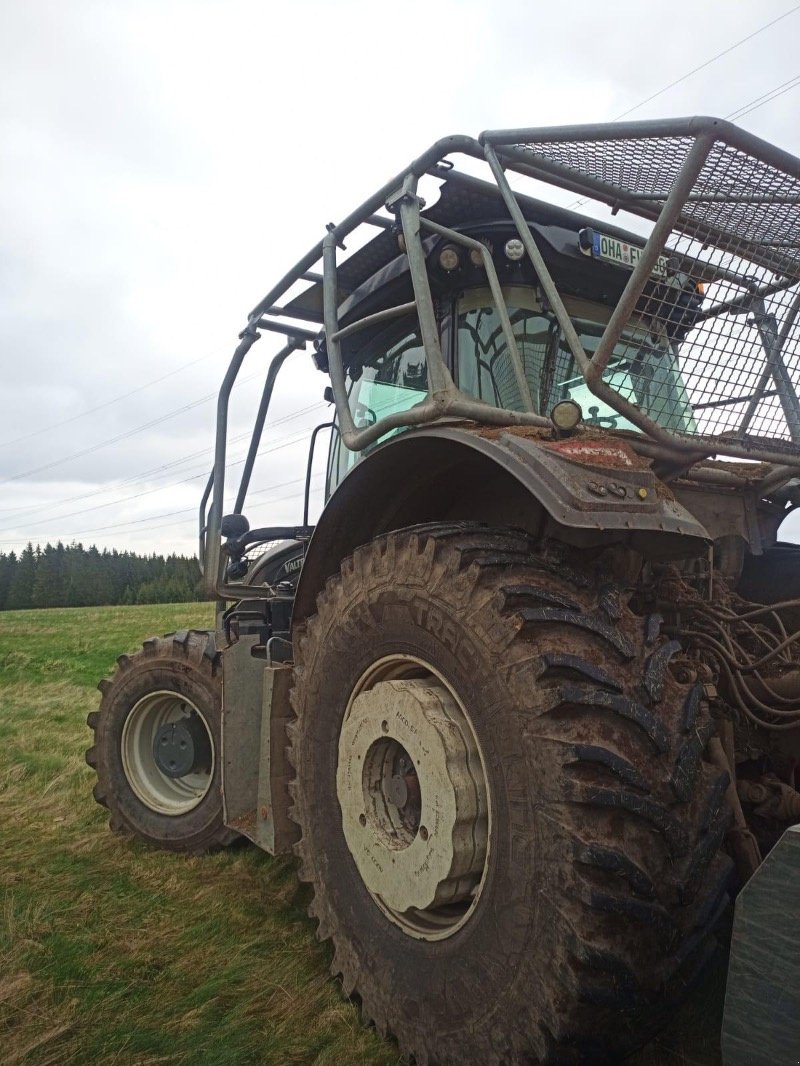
(566, 415)
(514, 249)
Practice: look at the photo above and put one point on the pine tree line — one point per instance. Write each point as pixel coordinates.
(74, 576)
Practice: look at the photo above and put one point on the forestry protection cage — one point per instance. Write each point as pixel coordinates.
(719, 274)
(726, 212)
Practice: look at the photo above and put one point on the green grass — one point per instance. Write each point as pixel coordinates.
(110, 951)
(114, 953)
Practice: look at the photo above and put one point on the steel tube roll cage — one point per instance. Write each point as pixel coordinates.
(685, 208)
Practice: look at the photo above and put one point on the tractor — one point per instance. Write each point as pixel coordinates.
(525, 700)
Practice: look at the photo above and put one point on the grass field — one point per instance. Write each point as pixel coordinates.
(113, 953)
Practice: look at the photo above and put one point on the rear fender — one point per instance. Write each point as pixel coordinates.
(500, 478)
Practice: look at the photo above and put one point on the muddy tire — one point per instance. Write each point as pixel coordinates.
(603, 877)
(170, 692)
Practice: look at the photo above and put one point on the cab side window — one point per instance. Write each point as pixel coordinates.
(389, 374)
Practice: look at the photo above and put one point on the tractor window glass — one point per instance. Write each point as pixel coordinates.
(485, 368)
(643, 369)
(389, 374)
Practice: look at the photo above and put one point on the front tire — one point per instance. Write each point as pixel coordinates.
(168, 694)
(602, 875)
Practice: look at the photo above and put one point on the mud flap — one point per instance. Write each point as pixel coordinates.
(255, 772)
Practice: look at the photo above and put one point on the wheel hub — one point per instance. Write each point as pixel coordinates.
(182, 747)
(413, 795)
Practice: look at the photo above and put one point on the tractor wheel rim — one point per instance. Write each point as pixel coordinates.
(411, 785)
(163, 794)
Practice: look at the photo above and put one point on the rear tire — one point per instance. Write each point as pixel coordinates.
(172, 679)
(604, 875)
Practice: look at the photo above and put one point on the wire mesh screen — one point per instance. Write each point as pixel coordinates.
(713, 346)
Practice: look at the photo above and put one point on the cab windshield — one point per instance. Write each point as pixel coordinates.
(390, 373)
(643, 368)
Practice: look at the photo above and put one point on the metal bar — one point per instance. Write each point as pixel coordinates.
(702, 447)
(767, 326)
(715, 128)
(688, 175)
(372, 320)
(719, 198)
(334, 433)
(459, 405)
(566, 181)
(786, 329)
(212, 572)
(576, 181)
(303, 316)
(437, 151)
(309, 465)
(449, 401)
(311, 275)
(499, 301)
(408, 210)
(286, 329)
(756, 398)
(353, 438)
(335, 367)
(633, 129)
(739, 303)
(776, 479)
(545, 278)
(380, 222)
(731, 400)
(295, 274)
(201, 547)
(717, 477)
(258, 427)
(453, 404)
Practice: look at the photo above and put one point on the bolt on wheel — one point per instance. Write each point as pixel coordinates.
(167, 753)
(412, 789)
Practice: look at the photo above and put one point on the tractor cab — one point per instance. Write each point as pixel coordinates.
(386, 366)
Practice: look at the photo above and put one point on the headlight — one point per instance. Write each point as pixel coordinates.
(566, 415)
(449, 258)
(475, 257)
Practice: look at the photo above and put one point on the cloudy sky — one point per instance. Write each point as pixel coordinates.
(162, 164)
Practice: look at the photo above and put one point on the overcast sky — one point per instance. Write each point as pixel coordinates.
(162, 164)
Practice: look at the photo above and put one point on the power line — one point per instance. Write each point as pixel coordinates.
(726, 51)
(765, 98)
(123, 436)
(144, 475)
(170, 514)
(105, 443)
(106, 403)
(707, 63)
(282, 442)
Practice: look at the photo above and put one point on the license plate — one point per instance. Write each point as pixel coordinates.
(620, 253)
